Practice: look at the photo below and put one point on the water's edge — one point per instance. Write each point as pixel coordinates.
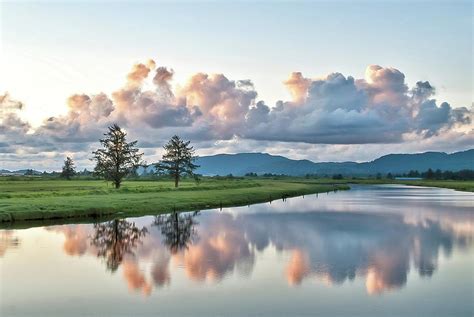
(94, 216)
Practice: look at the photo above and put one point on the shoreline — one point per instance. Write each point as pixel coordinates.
(134, 200)
(126, 203)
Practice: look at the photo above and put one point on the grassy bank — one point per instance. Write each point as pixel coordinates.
(40, 199)
(467, 186)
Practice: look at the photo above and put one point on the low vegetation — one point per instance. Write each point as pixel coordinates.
(462, 185)
(467, 186)
(31, 198)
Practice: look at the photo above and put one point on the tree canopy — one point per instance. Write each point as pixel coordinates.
(117, 157)
(69, 170)
(178, 159)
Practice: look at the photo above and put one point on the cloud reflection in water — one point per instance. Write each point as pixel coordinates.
(328, 246)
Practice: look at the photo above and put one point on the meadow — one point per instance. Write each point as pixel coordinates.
(467, 186)
(36, 198)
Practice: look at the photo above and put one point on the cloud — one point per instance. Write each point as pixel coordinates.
(223, 103)
(211, 108)
(341, 110)
(298, 86)
(13, 129)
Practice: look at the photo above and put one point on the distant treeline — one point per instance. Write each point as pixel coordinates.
(466, 174)
(463, 175)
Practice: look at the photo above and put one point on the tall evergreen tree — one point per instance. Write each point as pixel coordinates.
(118, 157)
(178, 159)
(429, 174)
(69, 170)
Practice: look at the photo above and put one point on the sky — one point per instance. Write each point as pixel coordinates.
(325, 81)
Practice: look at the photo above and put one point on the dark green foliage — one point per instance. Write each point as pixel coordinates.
(463, 175)
(197, 179)
(69, 170)
(117, 158)
(178, 159)
(429, 174)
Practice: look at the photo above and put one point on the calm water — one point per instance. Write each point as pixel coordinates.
(371, 251)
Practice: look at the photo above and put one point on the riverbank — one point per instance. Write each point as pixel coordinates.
(40, 199)
(466, 186)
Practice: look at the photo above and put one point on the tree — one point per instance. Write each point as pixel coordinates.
(197, 179)
(118, 157)
(178, 159)
(429, 174)
(390, 176)
(413, 173)
(69, 170)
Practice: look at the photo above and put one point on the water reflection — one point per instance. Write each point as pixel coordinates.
(178, 230)
(8, 240)
(336, 247)
(316, 241)
(115, 239)
(331, 247)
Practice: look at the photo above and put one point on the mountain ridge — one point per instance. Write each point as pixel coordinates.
(240, 164)
(260, 163)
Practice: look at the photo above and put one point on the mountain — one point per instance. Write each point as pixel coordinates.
(19, 172)
(260, 163)
(400, 163)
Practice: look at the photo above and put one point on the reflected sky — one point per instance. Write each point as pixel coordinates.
(381, 245)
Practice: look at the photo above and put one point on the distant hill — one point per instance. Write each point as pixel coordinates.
(260, 163)
(19, 172)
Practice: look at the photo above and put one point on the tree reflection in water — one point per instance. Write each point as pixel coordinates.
(115, 239)
(177, 229)
(332, 247)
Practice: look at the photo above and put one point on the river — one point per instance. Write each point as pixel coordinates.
(376, 250)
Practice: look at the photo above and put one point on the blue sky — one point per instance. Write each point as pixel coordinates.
(53, 50)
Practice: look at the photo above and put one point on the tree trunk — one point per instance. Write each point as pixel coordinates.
(117, 184)
(176, 180)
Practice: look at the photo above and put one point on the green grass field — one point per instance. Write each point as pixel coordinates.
(37, 198)
(40, 199)
(467, 186)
